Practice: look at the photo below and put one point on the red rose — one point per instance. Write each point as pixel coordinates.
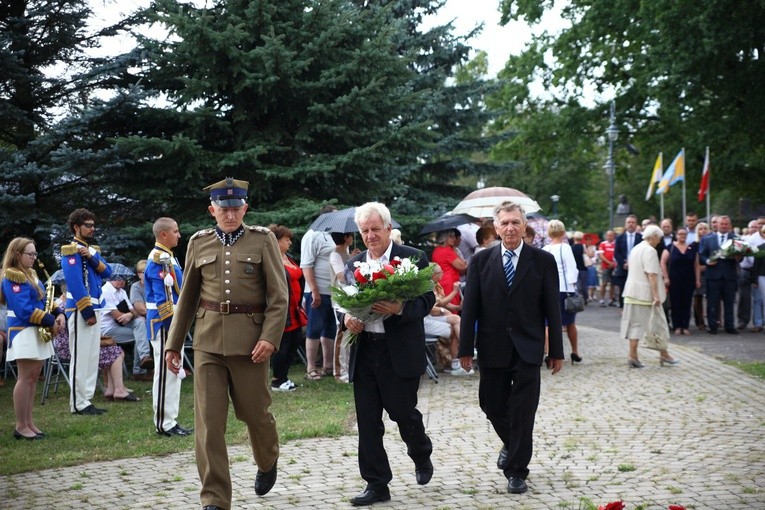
(395, 262)
(384, 273)
(614, 505)
(359, 277)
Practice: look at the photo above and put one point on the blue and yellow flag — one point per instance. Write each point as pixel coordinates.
(675, 173)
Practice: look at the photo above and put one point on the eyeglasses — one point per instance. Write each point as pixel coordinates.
(32, 254)
(89, 225)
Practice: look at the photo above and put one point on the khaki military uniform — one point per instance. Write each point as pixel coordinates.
(245, 275)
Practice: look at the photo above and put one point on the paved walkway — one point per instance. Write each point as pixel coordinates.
(692, 435)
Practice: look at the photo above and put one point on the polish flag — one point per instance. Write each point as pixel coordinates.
(704, 188)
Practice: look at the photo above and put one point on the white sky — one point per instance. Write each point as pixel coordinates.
(498, 42)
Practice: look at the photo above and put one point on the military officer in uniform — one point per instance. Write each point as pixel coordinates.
(234, 287)
(164, 278)
(83, 270)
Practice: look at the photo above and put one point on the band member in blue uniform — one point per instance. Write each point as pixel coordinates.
(83, 270)
(27, 305)
(163, 277)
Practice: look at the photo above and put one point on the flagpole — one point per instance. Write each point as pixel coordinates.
(661, 208)
(684, 179)
(709, 186)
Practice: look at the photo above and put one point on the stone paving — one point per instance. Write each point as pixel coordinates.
(692, 435)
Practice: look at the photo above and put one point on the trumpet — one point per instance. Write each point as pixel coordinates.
(46, 333)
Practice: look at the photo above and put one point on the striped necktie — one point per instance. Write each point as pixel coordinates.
(509, 268)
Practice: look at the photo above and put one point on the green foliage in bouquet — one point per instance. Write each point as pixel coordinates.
(396, 286)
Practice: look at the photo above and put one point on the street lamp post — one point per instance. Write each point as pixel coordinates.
(613, 134)
(555, 199)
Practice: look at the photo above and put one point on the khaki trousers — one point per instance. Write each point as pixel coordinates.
(216, 377)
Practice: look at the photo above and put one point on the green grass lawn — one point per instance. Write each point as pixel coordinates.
(316, 409)
(757, 369)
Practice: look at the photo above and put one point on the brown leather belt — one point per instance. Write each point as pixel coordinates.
(227, 308)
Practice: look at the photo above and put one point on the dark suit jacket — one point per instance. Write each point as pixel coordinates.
(661, 247)
(405, 333)
(724, 269)
(620, 251)
(511, 317)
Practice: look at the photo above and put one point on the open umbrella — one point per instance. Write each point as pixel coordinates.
(339, 221)
(447, 221)
(121, 270)
(481, 203)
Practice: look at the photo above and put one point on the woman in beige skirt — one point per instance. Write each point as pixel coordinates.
(643, 296)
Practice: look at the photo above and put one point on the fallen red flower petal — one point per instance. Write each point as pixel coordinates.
(676, 507)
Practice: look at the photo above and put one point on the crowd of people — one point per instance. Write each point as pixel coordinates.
(253, 307)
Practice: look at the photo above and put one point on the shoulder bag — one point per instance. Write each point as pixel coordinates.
(573, 303)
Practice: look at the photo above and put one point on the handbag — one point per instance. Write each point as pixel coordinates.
(107, 341)
(653, 339)
(573, 303)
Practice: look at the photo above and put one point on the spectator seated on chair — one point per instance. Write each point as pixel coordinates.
(443, 323)
(120, 321)
(110, 360)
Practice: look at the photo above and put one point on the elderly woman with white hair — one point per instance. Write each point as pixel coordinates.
(643, 295)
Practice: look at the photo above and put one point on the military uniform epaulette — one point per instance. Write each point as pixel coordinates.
(69, 249)
(155, 257)
(201, 233)
(258, 228)
(15, 275)
(96, 247)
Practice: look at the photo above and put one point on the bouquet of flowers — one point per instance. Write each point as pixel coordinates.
(399, 280)
(736, 248)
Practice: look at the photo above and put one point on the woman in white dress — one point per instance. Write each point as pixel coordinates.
(26, 296)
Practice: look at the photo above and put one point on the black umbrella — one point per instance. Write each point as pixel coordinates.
(446, 222)
(339, 221)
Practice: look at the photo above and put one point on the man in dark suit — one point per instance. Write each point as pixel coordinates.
(720, 275)
(510, 337)
(624, 244)
(386, 363)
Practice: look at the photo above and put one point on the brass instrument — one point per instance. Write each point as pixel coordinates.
(46, 333)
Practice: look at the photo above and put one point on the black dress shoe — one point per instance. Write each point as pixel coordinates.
(731, 331)
(176, 431)
(264, 481)
(370, 497)
(424, 472)
(712, 331)
(211, 507)
(91, 410)
(516, 485)
(502, 459)
(19, 435)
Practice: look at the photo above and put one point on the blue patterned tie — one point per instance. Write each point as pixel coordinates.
(509, 268)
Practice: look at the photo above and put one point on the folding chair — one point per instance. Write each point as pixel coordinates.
(61, 369)
(431, 351)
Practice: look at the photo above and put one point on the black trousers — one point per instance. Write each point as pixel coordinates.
(376, 387)
(282, 360)
(510, 396)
